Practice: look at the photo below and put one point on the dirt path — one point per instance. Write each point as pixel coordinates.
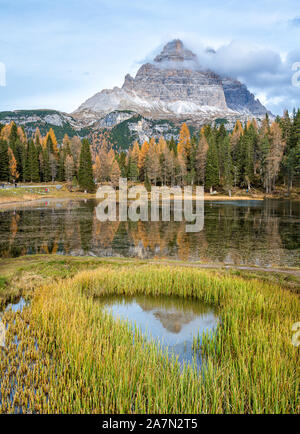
(292, 272)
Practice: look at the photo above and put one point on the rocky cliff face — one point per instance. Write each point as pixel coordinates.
(174, 87)
(239, 98)
(178, 89)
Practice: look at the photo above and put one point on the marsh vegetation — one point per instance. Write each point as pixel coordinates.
(64, 353)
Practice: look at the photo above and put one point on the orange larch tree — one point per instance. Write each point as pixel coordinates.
(184, 143)
(12, 165)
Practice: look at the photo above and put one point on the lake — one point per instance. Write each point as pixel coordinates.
(261, 233)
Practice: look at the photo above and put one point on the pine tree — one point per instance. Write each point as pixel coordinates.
(191, 161)
(220, 136)
(292, 165)
(27, 165)
(53, 166)
(16, 145)
(265, 151)
(69, 168)
(227, 166)
(180, 169)
(295, 130)
(201, 155)
(286, 125)
(133, 170)
(31, 168)
(85, 172)
(238, 161)
(13, 136)
(147, 183)
(277, 146)
(39, 153)
(49, 144)
(212, 167)
(290, 161)
(133, 162)
(46, 166)
(248, 151)
(122, 164)
(4, 161)
(172, 145)
(61, 166)
(35, 167)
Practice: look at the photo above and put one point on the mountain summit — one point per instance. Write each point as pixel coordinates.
(175, 51)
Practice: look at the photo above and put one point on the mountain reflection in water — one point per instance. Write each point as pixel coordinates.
(173, 322)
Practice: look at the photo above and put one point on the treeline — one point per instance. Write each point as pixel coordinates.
(42, 159)
(249, 156)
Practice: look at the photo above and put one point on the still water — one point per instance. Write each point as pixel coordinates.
(263, 233)
(173, 323)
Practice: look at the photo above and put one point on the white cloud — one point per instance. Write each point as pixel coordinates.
(267, 73)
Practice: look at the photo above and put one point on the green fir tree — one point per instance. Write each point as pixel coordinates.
(85, 172)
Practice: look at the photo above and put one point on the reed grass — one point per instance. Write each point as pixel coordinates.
(65, 354)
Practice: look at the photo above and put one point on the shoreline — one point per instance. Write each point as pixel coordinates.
(85, 196)
(26, 194)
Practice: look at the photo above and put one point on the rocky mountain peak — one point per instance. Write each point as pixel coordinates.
(174, 86)
(175, 51)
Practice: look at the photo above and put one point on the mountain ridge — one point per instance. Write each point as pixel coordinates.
(172, 89)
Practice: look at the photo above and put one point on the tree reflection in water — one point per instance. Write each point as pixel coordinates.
(250, 233)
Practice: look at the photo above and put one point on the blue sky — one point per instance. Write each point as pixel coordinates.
(58, 53)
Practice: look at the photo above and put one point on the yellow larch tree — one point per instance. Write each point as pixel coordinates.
(66, 141)
(53, 138)
(142, 156)
(12, 165)
(135, 152)
(236, 134)
(5, 132)
(162, 145)
(115, 173)
(37, 134)
(111, 157)
(21, 135)
(184, 143)
(97, 169)
(254, 124)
